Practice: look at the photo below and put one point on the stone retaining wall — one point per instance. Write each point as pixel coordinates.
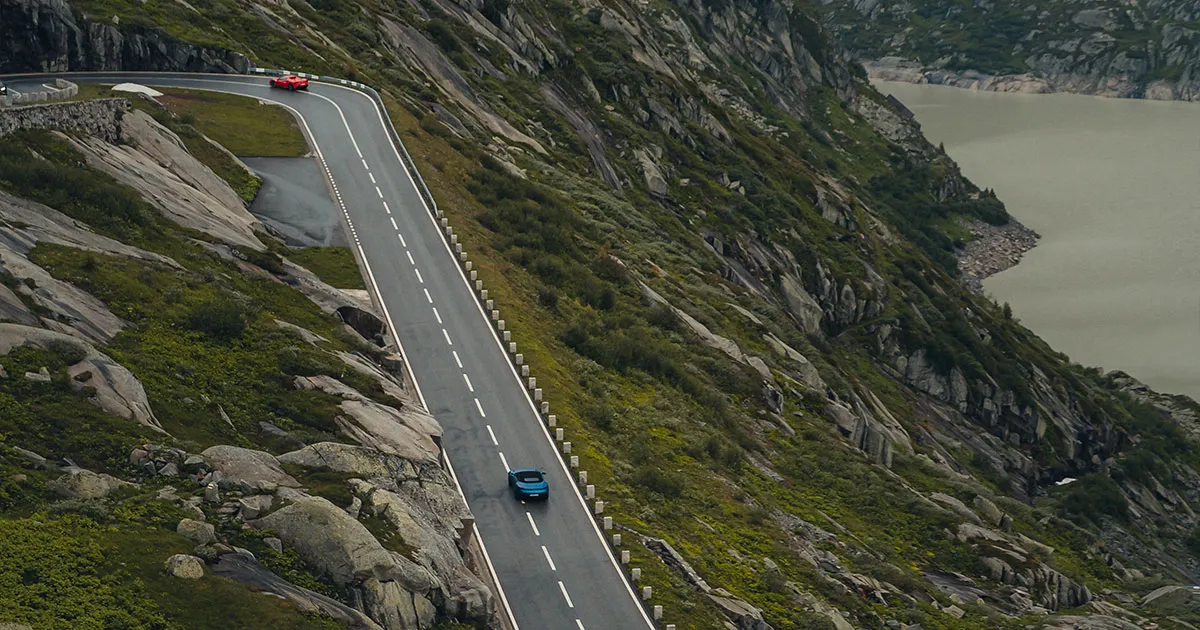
(100, 118)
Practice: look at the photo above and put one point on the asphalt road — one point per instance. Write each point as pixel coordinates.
(294, 201)
(554, 568)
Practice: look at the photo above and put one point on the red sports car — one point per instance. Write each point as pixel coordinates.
(291, 82)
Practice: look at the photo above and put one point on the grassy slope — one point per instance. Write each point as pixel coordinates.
(665, 427)
(335, 265)
(245, 126)
(193, 363)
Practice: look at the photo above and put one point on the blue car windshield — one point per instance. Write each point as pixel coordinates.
(528, 476)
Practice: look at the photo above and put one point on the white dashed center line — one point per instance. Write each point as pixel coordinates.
(456, 359)
(479, 406)
(447, 335)
(428, 297)
(379, 192)
(372, 176)
(435, 314)
(550, 561)
(533, 525)
(490, 432)
(394, 226)
(410, 258)
(402, 243)
(365, 165)
(504, 461)
(580, 624)
(563, 588)
(419, 278)
(386, 208)
(469, 386)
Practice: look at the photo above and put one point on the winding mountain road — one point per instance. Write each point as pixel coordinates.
(555, 569)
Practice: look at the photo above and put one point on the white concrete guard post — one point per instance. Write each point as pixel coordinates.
(537, 394)
(552, 419)
(574, 461)
(647, 592)
(607, 523)
(512, 345)
(524, 369)
(583, 477)
(520, 358)
(599, 507)
(508, 337)
(500, 324)
(657, 612)
(637, 573)
(616, 540)
(591, 490)
(566, 448)
(483, 294)
(625, 560)
(559, 434)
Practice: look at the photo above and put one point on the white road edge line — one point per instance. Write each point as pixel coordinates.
(479, 406)
(404, 355)
(549, 560)
(489, 428)
(533, 525)
(528, 398)
(562, 587)
(495, 337)
(469, 386)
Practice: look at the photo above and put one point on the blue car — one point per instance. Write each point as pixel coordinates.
(529, 483)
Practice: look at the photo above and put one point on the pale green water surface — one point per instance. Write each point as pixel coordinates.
(1113, 187)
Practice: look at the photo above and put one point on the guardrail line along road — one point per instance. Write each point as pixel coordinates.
(554, 566)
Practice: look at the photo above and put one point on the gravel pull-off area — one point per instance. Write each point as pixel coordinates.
(294, 202)
(994, 249)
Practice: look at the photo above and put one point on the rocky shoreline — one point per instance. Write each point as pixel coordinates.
(908, 71)
(994, 249)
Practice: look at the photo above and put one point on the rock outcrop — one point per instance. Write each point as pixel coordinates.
(78, 483)
(246, 469)
(155, 162)
(110, 385)
(394, 590)
(1059, 47)
(47, 36)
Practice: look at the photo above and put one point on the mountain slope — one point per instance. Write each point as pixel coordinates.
(732, 267)
(1131, 50)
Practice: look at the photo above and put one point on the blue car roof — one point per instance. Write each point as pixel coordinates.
(520, 470)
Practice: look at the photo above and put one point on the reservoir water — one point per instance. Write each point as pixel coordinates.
(1113, 187)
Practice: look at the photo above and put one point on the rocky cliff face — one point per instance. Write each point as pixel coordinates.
(51, 36)
(391, 554)
(742, 266)
(1148, 50)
